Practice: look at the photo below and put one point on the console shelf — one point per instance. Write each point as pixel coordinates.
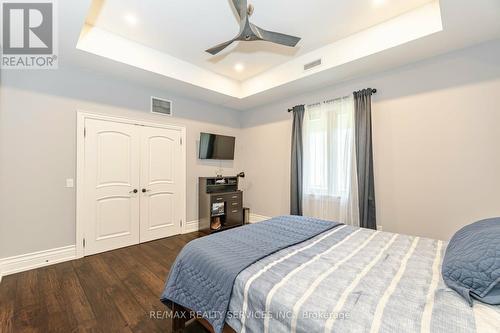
(220, 204)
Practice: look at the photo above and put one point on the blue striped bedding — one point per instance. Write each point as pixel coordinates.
(354, 280)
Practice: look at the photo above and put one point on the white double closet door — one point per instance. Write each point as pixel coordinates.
(133, 184)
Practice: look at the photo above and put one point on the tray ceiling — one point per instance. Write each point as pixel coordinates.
(184, 29)
(161, 44)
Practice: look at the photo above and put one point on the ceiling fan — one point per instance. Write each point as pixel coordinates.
(251, 32)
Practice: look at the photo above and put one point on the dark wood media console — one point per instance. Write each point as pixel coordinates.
(220, 204)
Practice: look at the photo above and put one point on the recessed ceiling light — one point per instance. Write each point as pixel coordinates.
(130, 19)
(378, 3)
(239, 67)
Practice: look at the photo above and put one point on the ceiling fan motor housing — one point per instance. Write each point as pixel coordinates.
(250, 32)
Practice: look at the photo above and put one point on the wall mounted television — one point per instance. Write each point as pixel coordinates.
(216, 147)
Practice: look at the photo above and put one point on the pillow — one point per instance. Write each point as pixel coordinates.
(471, 265)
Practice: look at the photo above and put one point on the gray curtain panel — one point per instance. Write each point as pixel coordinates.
(364, 157)
(296, 166)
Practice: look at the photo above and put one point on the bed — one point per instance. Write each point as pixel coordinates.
(336, 279)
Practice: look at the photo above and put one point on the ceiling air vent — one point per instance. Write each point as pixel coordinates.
(312, 64)
(161, 106)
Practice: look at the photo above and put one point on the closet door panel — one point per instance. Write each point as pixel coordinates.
(161, 176)
(112, 155)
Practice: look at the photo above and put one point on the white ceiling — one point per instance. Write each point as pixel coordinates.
(184, 29)
(410, 37)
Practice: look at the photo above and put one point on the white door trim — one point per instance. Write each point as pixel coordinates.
(80, 167)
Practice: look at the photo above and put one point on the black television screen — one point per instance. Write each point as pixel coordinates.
(216, 147)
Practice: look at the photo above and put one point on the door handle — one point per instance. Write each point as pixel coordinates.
(133, 191)
(144, 190)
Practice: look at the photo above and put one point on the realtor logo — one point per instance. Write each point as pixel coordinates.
(28, 34)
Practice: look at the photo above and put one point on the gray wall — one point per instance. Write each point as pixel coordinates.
(38, 147)
(436, 137)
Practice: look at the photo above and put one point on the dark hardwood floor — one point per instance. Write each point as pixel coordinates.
(115, 291)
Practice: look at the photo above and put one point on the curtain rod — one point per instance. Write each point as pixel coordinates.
(374, 91)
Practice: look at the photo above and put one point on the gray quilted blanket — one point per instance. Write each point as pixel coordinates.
(471, 265)
(203, 274)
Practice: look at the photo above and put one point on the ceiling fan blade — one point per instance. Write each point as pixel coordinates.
(241, 8)
(275, 37)
(216, 49)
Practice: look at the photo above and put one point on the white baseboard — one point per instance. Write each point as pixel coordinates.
(191, 226)
(255, 218)
(39, 259)
(34, 260)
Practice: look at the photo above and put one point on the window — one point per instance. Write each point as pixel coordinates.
(329, 161)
